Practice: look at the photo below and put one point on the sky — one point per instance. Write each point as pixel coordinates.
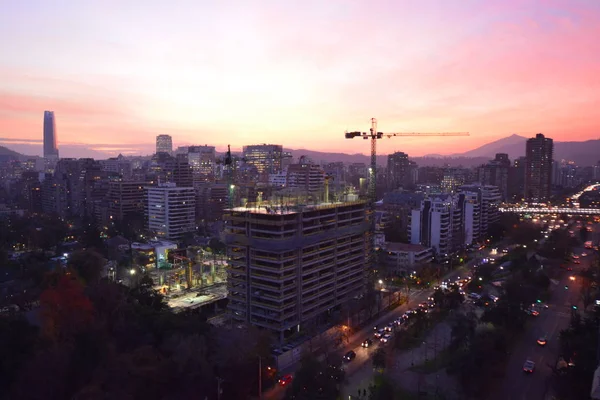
(298, 73)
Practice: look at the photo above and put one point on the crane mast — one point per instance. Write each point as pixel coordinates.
(373, 135)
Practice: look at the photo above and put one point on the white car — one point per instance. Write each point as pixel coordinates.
(386, 338)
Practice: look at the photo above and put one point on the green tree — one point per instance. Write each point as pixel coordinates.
(88, 264)
(315, 380)
(382, 388)
(379, 358)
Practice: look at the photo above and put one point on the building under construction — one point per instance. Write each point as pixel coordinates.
(293, 264)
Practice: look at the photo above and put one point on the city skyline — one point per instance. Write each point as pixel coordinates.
(253, 73)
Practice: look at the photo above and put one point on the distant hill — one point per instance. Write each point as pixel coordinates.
(7, 153)
(437, 161)
(583, 153)
(513, 145)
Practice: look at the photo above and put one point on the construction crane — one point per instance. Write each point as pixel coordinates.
(373, 134)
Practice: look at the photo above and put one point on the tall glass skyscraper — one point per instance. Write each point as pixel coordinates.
(50, 148)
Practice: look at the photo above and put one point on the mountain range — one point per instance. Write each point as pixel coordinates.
(583, 153)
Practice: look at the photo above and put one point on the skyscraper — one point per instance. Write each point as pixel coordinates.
(50, 148)
(538, 169)
(164, 144)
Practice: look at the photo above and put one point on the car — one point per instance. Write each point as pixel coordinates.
(542, 341)
(349, 356)
(529, 366)
(569, 268)
(386, 338)
(389, 327)
(533, 312)
(379, 333)
(285, 380)
(584, 254)
(576, 262)
(367, 343)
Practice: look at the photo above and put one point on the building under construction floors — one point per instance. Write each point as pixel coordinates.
(291, 266)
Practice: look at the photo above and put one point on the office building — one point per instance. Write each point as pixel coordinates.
(291, 266)
(170, 210)
(164, 144)
(50, 147)
(538, 169)
(267, 158)
(50, 138)
(202, 159)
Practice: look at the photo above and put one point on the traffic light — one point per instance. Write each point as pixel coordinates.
(539, 301)
(574, 307)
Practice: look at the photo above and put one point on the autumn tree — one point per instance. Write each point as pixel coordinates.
(65, 309)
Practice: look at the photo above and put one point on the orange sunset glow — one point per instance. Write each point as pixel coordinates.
(299, 73)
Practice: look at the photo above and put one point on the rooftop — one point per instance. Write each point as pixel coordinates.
(405, 247)
(277, 209)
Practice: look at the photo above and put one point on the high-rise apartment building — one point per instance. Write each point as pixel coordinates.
(488, 198)
(305, 176)
(496, 173)
(125, 198)
(400, 171)
(432, 224)
(267, 158)
(117, 165)
(170, 210)
(289, 266)
(164, 144)
(538, 169)
(516, 177)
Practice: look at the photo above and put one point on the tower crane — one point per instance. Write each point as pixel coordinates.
(373, 134)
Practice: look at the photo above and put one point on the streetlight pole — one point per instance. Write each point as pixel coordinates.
(259, 378)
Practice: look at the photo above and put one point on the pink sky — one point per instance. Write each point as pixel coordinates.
(300, 73)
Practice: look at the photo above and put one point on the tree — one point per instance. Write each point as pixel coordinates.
(315, 380)
(453, 299)
(145, 295)
(65, 309)
(379, 358)
(382, 388)
(525, 233)
(88, 265)
(463, 330)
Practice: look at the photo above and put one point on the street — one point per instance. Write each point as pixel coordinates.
(517, 384)
(359, 372)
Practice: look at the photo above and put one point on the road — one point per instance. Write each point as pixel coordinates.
(359, 372)
(517, 384)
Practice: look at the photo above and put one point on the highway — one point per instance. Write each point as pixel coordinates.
(359, 372)
(519, 385)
